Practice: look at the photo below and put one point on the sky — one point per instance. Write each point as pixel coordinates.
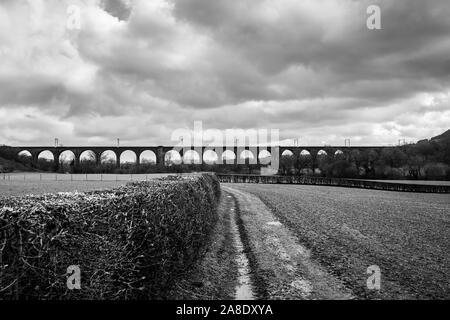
(138, 70)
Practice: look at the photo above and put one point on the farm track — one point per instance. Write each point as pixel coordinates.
(281, 267)
(215, 276)
(227, 269)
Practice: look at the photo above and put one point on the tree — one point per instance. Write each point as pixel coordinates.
(287, 163)
(415, 164)
(303, 161)
(323, 161)
(393, 158)
(424, 148)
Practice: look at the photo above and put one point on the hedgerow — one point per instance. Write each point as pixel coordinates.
(131, 242)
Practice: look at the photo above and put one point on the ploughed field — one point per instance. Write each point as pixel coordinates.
(406, 234)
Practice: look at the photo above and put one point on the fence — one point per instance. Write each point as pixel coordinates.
(77, 177)
(236, 178)
(350, 183)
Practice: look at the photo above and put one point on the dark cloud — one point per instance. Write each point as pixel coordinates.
(118, 8)
(310, 68)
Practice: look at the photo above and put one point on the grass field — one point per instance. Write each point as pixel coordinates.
(424, 182)
(35, 183)
(406, 234)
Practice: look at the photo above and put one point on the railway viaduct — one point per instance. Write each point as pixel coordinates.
(237, 152)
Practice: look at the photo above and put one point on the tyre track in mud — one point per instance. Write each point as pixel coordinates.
(280, 268)
(256, 284)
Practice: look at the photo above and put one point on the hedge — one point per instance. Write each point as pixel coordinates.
(338, 182)
(131, 242)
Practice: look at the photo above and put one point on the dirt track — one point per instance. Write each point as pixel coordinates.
(284, 265)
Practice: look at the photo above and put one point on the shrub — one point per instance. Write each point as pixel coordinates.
(131, 242)
(397, 173)
(436, 170)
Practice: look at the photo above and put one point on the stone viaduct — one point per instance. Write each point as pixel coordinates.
(237, 153)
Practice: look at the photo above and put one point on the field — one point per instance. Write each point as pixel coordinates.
(347, 230)
(425, 182)
(35, 183)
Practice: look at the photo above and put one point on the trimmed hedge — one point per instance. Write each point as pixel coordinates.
(130, 242)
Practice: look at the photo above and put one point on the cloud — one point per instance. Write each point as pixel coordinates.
(139, 69)
(117, 8)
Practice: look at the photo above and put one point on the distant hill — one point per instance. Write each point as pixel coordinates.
(442, 137)
(11, 165)
(9, 161)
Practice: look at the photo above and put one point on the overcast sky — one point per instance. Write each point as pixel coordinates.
(139, 69)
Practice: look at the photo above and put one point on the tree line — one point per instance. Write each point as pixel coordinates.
(423, 160)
